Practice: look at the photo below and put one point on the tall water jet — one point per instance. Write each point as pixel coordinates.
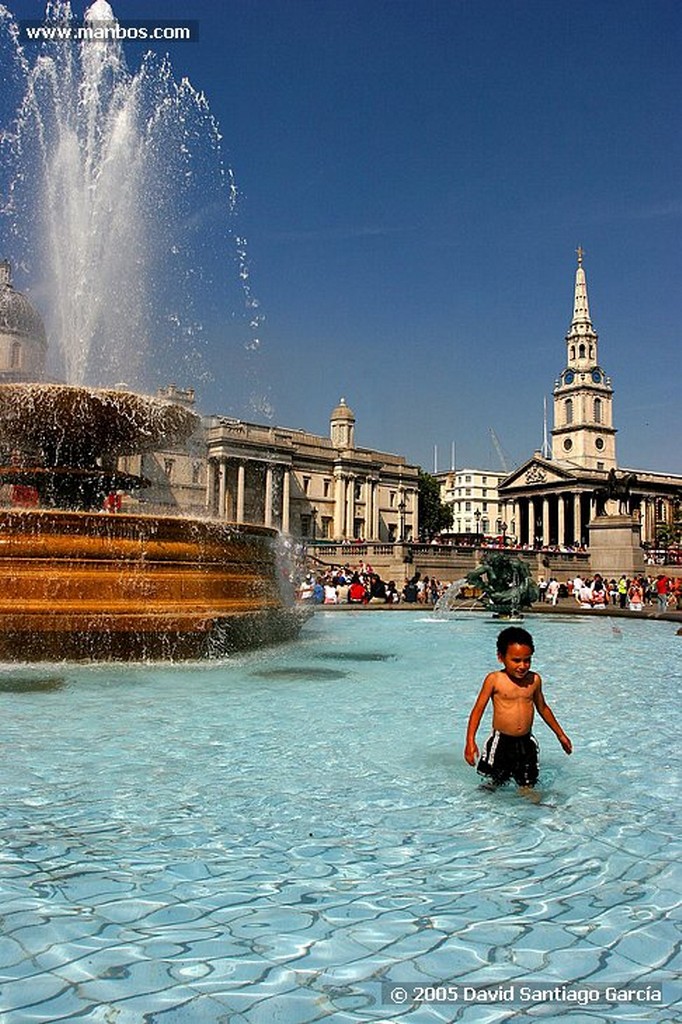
(113, 176)
(119, 204)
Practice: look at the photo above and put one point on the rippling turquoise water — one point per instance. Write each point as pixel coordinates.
(269, 838)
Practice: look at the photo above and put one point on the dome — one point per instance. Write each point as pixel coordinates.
(342, 412)
(17, 315)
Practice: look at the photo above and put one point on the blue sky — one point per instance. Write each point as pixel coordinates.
(414, 179)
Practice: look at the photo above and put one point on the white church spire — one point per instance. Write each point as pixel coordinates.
(583, 430)
(581, 340)
(581, 306)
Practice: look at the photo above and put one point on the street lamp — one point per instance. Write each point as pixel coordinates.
(313, 516)
(477, 517)
(504, 528)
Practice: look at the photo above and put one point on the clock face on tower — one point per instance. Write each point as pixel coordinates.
(596, 376)
(569, 377)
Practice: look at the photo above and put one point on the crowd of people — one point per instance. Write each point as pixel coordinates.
(362, 585)
(628, 592)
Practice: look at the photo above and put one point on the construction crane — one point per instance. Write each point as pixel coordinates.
(500, 452)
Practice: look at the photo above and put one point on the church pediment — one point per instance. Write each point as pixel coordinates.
(537, 472)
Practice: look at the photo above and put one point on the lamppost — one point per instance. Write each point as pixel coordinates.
(504, 528)
(313, 517)
(477, 517)
(401, 509)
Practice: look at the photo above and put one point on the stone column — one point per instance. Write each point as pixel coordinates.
(376, 518)
(286, 499)
(241, 476)
(369, 510)
(531, 523)
(339, 507)
(222, 489)
(648, 534)
(577, 518)
(268, 495)
(350, 507)
(561, 519)
(545, 521)
(210, 487)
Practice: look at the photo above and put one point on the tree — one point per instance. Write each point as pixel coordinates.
(434, 515)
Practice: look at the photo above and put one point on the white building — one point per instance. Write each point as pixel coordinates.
(473, 495)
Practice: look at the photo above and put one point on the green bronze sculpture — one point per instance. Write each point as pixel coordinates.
(506, 583)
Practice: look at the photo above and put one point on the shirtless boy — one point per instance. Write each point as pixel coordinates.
(516, 692)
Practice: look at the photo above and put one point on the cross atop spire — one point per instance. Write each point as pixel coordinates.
(581, 307)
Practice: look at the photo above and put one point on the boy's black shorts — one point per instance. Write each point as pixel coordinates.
(510, 757)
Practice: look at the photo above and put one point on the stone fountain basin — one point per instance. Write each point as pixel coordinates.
(97, 422)
(93, 586)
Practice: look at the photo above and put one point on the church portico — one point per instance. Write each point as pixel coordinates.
(555, 518)
(243, 489)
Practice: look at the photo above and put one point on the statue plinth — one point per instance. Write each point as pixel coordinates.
(616, 545)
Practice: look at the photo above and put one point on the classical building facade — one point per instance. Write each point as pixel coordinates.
(551, 499)
(321, 488)
(304, 484)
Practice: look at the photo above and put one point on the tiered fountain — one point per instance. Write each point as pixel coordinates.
(79, 582)
(108, 167)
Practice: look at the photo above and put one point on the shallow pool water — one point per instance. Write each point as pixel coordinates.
(293, 835)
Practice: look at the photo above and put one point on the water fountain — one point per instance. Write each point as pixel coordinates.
(505, 584)
(105, 164)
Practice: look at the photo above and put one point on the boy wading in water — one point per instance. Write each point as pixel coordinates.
(516, 692)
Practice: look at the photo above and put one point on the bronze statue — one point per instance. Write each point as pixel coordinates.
(617, 488)
(506, 583)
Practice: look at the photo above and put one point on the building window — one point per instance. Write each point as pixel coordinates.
(358, 491)
(467, 479)
(306, 485)
(327, 484)
(168, 465)
(196, 472)
(568, 410)
(597, 410)
(391, 499)
(15, 355)
(467, 506)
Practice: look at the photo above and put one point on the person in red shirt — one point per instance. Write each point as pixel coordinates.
(662, 592)
(356, 592)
